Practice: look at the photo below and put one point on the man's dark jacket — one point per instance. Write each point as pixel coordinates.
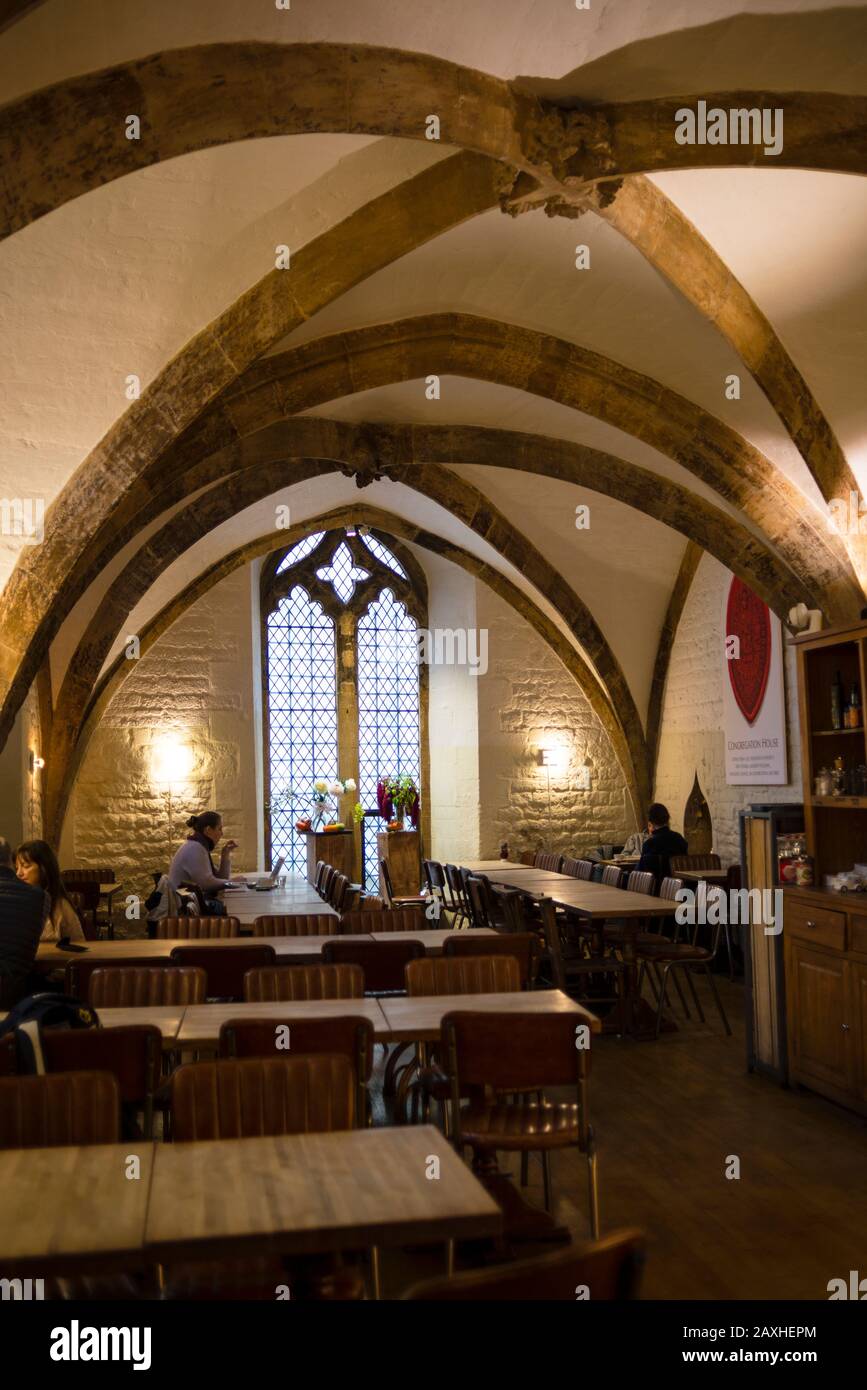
(22, 915)
(660, 845)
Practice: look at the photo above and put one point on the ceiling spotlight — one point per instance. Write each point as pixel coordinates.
(35, 762)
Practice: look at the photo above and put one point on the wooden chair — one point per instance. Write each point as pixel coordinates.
(133, 1055)
(550, 862)
(684, 863)
(321, 866)
(361, 923)
(579, 868)
(528, 857)
(297, 924)
(388, 893)
(197, 928)
(612, 876)
(519, 1053)
(371, 902)
(609, 1269)
(641, 882)
(338, 891)
(258, 1096)
(476, 974)
(79, 970)
(66, 1108)
(434, 875)
(668, 956)
(352, 1037)
(133, 987)
(225, 968)
(288, 983)
(576, 973)
(382, 962)
(524, 946)
(455, 901)
(88, 923)
(328, 878)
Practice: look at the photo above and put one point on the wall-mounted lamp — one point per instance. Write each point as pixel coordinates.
(35, 762)
(554, 759)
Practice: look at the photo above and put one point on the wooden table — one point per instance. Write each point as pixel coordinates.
(72, 1209)
(419, 1019)
(166, 1017)
(701, 875)
(297, 897)
(488, 866)
(433, 941)
(201, 1024)
(289, 949)
(311, 1194)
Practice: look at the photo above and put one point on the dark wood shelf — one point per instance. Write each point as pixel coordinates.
(847, 803)
(832, 733)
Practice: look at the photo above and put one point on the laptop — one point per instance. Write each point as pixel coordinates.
(266, 881)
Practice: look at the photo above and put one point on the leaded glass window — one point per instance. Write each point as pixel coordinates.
(302, 714)
(341, 613)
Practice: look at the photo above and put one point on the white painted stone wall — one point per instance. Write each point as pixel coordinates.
(194, 688)
(20, 789)
(692, 720)
(527, 701)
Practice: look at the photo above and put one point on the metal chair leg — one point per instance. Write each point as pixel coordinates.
(722, 1013)
(546, 1177)
(450, 1257)
(525, 1168)
(375, 1271)
(593, 1185)
(691, 982)
(662, 994)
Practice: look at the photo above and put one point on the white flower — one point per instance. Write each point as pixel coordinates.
(336, 788)
(320, 785)
(349, 784)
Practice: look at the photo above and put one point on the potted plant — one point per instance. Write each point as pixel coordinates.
(396, 798)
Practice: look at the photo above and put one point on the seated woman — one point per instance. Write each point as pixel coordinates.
(193, 863)
(36, 864)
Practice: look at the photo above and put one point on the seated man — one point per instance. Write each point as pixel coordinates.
(23, 910)
(661, 843)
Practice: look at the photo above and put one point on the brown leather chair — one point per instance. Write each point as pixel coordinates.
(455, 900)
(133, 987)
(79, 970)
(351, 1036)
(298, 924)
(684, 863)
(288, 983)
(477, 974)
(197, 928)
(328, 878)
(524, 946)
(225, 967)
(382, 962)
(318, 876)
(612, 876)
(133, 1055)
(371, 902)
(609, 1269)
(387, 890)
(551, 863)
(259, 1096)
(578, 868)
(641, 881)
(519, 1053)
(38, 1112)
(388, 919)
(86, 912)
(667, 957)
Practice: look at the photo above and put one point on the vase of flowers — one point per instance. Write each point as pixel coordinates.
(397, 797)
(324, 798)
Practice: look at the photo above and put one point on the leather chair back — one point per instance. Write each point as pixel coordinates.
(491, 974)
(225, 966)
(523, 946)
(550, 862)
(133, 987)
(197, 928)
(260, 1096)
(38, 1112)
(133, 1055)
(612, 876)
(288, 983)
(362, 923)
(297, 924)
(610, 1269)
(641, 882)
(382, 962)
(512, 1052)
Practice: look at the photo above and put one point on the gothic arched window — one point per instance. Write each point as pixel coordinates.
(344, 693)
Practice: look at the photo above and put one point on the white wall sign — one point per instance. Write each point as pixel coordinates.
(754, 705)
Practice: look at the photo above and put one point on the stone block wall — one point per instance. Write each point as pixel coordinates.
(178, 738)
(692, 737)
(527, 700)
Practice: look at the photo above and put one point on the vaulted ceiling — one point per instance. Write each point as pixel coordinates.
(155, 259)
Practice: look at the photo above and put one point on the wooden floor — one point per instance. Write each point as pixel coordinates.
(667, 1116)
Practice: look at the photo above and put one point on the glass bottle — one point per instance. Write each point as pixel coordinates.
(853, 709)
(837, 699)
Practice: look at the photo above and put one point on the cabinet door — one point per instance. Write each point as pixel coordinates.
(857, 1016)
(821, 1036)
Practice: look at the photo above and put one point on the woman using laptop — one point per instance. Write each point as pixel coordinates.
(36, 864)
(193, 862)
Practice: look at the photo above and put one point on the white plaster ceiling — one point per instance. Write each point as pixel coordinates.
(673, 46)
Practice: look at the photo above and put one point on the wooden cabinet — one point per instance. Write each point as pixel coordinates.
(826, 995)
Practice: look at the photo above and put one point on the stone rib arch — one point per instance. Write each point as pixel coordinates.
(108, 488)
(343, 364)
(213, 94)
(205, 513)
(390, 524)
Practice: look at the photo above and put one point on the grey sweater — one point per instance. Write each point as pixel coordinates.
(192, 864)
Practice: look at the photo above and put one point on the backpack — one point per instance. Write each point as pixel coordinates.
(35, 1012)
